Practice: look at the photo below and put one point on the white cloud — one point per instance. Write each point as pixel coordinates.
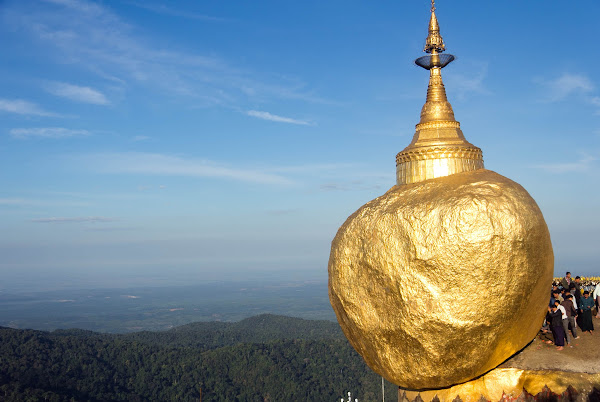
(76, 219)
(84, 6)
(141, 138)
(14, 201)
(566, 85)
(167, 165)
(350, 186)
(273, 117)
(317, 168)
(570, 86)
(20, 106)
(162, 9)
(47, 132)
(110, 228)
(595, 100)
(24, 202)
(77, 93)
(473, 83)
(582, 165)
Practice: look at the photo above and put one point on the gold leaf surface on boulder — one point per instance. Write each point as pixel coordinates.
(437, 282)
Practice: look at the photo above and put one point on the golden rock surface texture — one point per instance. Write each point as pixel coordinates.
(437, 282)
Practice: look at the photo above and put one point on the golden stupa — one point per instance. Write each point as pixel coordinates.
(445, 276)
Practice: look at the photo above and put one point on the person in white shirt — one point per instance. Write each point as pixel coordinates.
(596, 296)
(574, 302)
(565, 321)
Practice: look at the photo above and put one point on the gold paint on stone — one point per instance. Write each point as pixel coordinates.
(437, 282)
(509, 382)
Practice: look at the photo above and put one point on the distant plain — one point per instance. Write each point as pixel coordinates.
(155, 308)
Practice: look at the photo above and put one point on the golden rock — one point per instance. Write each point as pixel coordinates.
(437, 282)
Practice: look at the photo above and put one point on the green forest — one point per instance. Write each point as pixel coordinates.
(262, 358)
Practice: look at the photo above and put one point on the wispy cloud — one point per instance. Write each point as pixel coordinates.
(47, 132)
(274, 117)
(111, 228)
(23, 107)
(84, 6)
(26, 202)
(473, 83)
(162, 9)
(92, 36)
(349, 186)
(585, 163)
(167, 165)
(568, 84)
(595, 100)
(14, 201)
(317, 168)
(281, 212)
(155, 164)
(77, 93)
(76, 219)
(141, 138)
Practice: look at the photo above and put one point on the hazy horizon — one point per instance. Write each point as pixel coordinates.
(56, 280)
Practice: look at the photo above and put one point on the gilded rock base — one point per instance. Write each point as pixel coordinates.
(505, 384)
(438, 282)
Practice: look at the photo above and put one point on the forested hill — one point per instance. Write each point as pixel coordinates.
(258, 329)
(263, 358)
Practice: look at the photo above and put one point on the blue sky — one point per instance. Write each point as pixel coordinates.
(153, 142)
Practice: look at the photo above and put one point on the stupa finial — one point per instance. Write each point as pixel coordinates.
(434, 42)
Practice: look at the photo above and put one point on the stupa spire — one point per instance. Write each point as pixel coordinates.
(439, 147)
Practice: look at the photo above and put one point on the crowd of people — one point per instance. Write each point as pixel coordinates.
(570, 310)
